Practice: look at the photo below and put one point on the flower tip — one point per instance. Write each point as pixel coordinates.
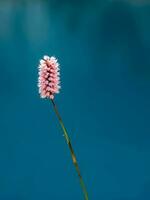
(46, 57)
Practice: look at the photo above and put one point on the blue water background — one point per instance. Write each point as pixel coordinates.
(104, 51)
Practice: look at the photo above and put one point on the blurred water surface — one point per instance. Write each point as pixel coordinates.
(103, 48)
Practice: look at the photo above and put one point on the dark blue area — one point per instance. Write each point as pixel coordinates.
(104, 51)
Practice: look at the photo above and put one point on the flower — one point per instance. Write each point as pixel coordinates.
(49, 77)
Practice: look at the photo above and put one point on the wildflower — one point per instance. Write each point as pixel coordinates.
(49, 77)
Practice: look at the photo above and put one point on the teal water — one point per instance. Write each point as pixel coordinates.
(103, 48)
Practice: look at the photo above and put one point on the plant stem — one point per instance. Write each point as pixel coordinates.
(71, 151)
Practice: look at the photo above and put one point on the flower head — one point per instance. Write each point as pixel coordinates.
(49, 77)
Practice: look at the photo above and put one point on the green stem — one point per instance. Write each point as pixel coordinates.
(71, 151)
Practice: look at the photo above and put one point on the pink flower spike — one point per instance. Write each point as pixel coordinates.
(48, 81)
